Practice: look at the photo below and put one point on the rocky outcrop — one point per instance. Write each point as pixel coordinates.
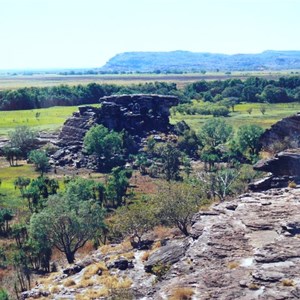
(167, 255)
(242, 253)
(284, 167)
(139, 114)
(285, 132)
(247, 248)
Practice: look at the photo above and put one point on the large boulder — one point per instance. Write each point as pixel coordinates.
(167, 255)
(283, 163)
(284, 168)
(286, 131)
(138, 114)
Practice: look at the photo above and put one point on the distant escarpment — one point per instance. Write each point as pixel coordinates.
(197, 61)
(138, 114)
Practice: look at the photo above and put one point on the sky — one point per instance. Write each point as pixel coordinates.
(87, 33)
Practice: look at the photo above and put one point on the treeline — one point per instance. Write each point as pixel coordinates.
(64, 95)
(254, 89)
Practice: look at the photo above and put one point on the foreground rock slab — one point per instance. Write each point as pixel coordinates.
(247, 248)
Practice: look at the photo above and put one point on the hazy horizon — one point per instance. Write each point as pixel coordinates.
(65, 34)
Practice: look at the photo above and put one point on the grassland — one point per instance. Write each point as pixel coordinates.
(274, 113)
(49, 119)
(9, 196)
(20, 81)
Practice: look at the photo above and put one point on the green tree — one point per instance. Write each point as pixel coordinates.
(12, 155)
(134, 220)
(170, 158)
(117, 185)
(215, 132)
(177, 203)
(24, 139)
(40, 160)
(6, 215)
(68, 228)
(248, 139)
(107, 145)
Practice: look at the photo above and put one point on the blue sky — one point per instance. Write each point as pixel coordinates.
(86, 33)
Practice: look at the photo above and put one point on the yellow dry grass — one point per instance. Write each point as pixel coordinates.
(54, 289)
(145, 256)
(93, 269)
(182, 293)
(233, 265)
(69, 282)
(113, 282)
(93, 294)
(288, 282)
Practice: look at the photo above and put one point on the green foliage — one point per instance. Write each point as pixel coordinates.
(3, 295)
(36, 191)
(248, 139)
(189, 143)
(107, 145)
(177, 203)
(67, 228)
(215, 132)
(160, 270)
(40, 160)
(12, 155)
(6, 215)
(117, 185)
(24, 139)
(170, 158)
(134, 220)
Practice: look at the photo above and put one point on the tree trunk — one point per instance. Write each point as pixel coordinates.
(70, 257)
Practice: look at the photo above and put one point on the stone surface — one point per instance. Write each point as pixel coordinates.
(285, 131)
(167, 255)
(246, 248)
(138, 114)
(285, 168)
(286, 163)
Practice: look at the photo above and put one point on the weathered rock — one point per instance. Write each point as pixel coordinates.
(138, 114)
(285, 131)
(142, 245)
(73, 269)
(35, 294)
(167, 255)
(248, 248)
(121, 264)
(286, 163)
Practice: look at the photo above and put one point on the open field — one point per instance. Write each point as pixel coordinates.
(274, 113)
(50, 118)
(20, 81)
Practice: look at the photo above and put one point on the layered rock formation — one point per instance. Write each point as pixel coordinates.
(139, 115)
(247, 248)
(284, 167)
(286, 131)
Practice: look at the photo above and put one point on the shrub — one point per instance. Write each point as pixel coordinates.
(160, 270)
(183, 293)
(69, 282)
(292, 184)
(3, 295)
(288, 282)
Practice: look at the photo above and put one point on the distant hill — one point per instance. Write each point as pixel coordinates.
(194, 61)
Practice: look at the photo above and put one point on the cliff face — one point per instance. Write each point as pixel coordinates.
(138, 114)
(286, 131)
(247, 248)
